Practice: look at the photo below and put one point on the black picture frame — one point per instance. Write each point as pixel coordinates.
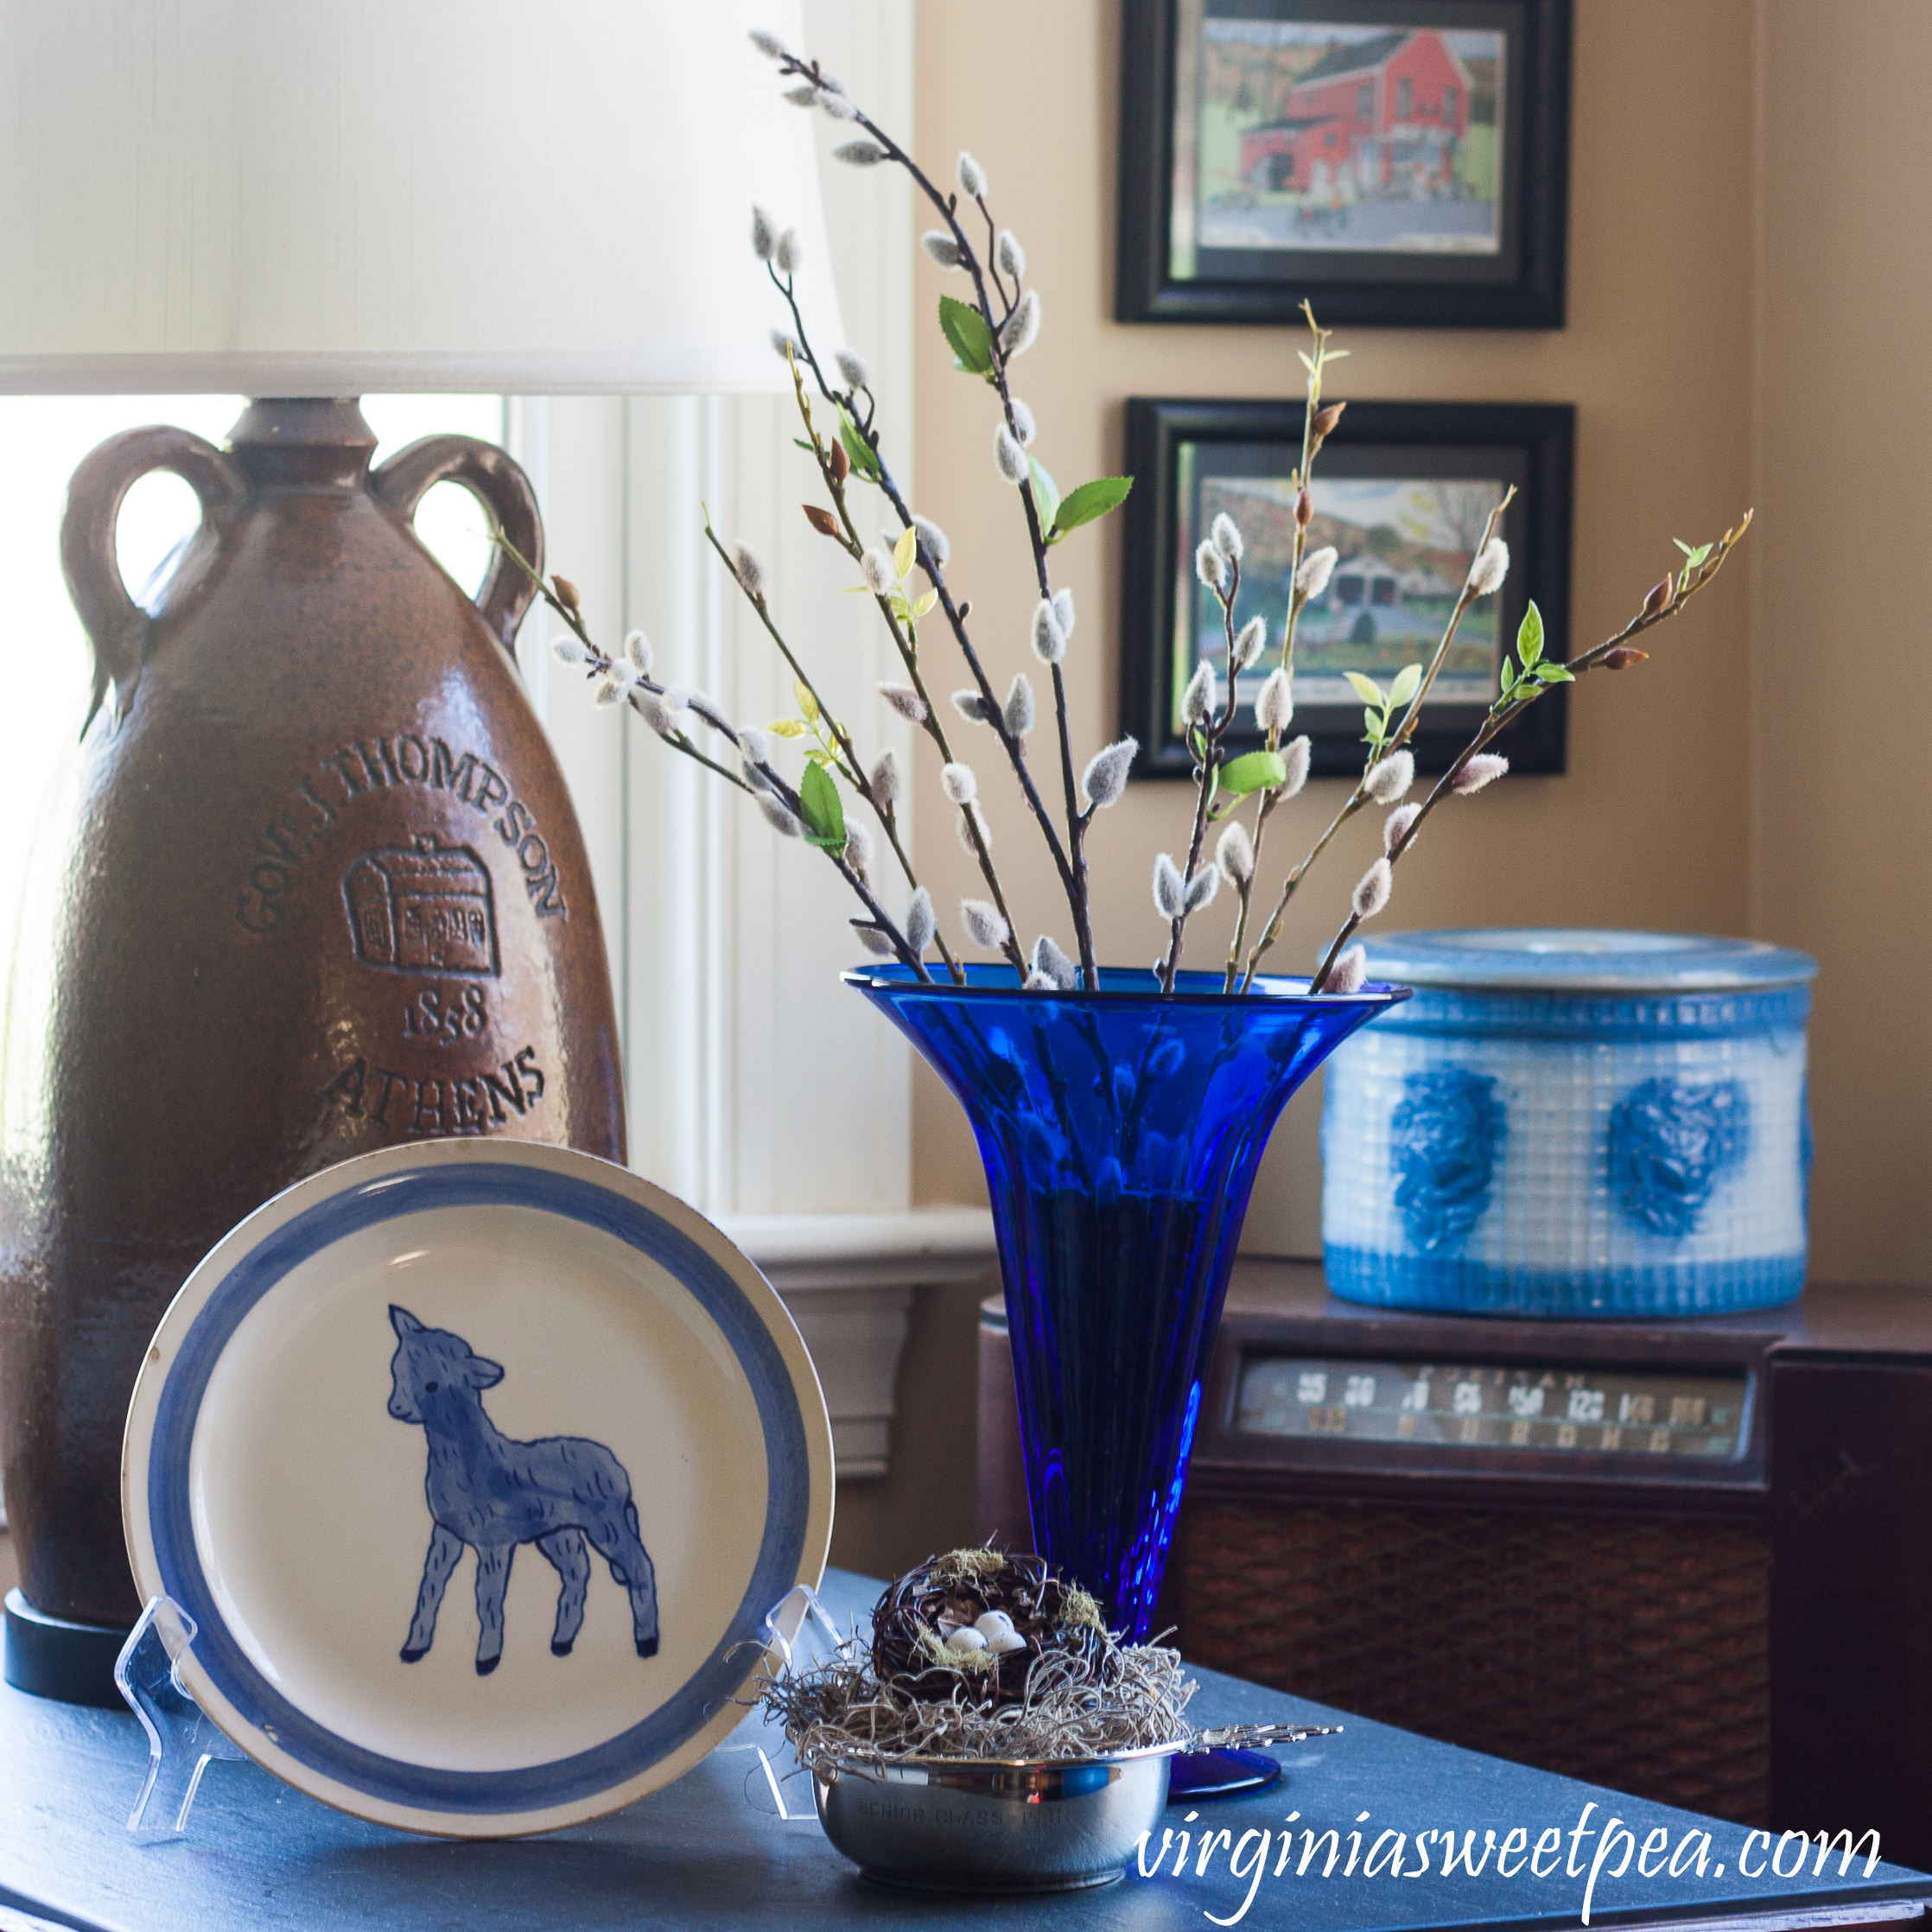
(1162, 277)
(1530, 444)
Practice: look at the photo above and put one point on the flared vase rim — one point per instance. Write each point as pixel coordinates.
(1273, 991)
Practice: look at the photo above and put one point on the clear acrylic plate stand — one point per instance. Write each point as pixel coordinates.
(183, 1741)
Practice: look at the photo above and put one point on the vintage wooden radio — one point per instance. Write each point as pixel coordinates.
(1689, 1559)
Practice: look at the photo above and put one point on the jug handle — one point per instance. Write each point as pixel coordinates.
(116, 626)
(495, 479)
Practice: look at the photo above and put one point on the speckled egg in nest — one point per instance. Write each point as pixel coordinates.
(913, 1647)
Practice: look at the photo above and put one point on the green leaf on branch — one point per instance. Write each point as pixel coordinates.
(824, 813)
(1530, 636)
(857, 449)
(1087, 502)
(1046, 494)
(1366, 688)
(1555, 674)
(1408, 682)
(972, 341)
(1254, 771)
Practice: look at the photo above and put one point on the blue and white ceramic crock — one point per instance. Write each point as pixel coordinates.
(1570, 1123)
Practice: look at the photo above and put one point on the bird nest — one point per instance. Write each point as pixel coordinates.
(1072, 1691)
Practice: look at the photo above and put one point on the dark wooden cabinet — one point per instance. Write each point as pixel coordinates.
(1738, 1621)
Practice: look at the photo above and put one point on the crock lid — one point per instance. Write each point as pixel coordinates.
(1561, 959)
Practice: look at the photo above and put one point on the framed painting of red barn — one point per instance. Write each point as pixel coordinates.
(1394, 162)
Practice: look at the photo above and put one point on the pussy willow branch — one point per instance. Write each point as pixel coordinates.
(850, 765)
(600, 662)
(1397, 741)
(1010, 742)
(835, 475)
(1211, 733)
(1298, 599)
(1075, 875)
(1503, 712)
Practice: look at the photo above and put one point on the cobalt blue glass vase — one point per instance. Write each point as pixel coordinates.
(1120, 1132)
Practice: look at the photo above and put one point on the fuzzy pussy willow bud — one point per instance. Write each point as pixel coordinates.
(1225, 535)
(852, 368)
(1019, 711)
(958, 782)
(1053, 965)
(1234, 852)
(1063, 609)
(1105, 777)
(1389, 778)
(1296, 754)
(905, 701)
(749, 571)
(1199, 701)
(972, 177)
(1024, 426)
(860, 154)
(876, 567)
(777, 818)
(1201, 889)
(933, 540)
(568, 649)
(1485, 768)
(1008, 457)
(1348, 974)
(1020, 330)
(940, 247)
(1491, 568)
(884, 781)
(1049, 635)
(920, 925)
(1009, 255)
(790, 253)
(1275, 704)
(1249, 642)
(1210, 567)
(984, 926)
(1313, 572)
(1395, 828)
(1372, 890)
(765, 236)
(1170, 889)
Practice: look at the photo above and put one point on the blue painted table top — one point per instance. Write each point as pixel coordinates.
(259, 1856)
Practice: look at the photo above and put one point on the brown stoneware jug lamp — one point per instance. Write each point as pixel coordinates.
(311, 882)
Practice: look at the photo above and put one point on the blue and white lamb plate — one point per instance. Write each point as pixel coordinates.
(1572, 1123)
(479, 1466)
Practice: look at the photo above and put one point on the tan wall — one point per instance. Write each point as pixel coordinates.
(1844, 582)
(1649, 826)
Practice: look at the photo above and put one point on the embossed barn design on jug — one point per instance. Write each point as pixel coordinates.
(310, 885)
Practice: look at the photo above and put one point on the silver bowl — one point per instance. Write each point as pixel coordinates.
(976, 1824)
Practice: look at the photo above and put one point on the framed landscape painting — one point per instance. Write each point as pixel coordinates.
(1403, 491)
(1394, 161)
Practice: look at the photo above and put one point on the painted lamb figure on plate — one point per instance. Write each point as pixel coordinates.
(559, 1492)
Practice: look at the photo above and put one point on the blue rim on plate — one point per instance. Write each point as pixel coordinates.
(253, 1260)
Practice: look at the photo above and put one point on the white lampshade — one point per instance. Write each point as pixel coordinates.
(337, 197)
